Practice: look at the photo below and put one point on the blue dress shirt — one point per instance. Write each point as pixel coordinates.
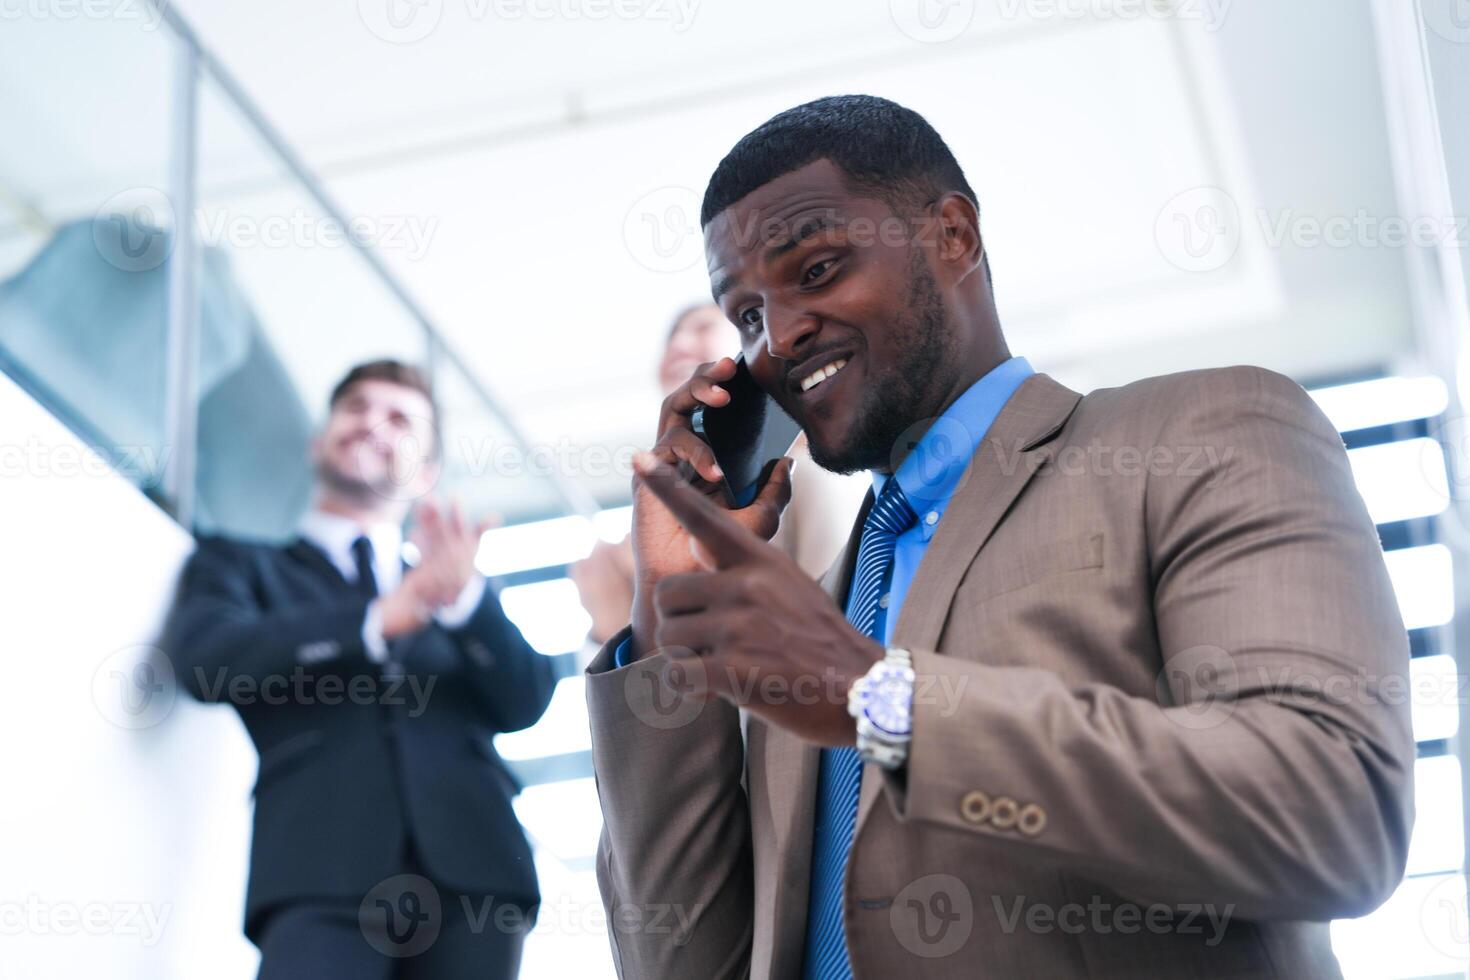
(932, 471)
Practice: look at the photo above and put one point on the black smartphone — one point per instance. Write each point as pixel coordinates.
(746, 433)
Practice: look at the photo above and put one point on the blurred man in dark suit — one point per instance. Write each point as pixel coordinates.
(384, 841)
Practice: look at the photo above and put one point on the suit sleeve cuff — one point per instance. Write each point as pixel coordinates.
(458, 613)
(623, 655)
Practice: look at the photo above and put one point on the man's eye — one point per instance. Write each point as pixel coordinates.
(815, 271)
(751, 318)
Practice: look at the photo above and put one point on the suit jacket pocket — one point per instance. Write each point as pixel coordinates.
(1008, 573)
(285, 756)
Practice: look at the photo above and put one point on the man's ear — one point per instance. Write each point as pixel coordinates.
(960, 246)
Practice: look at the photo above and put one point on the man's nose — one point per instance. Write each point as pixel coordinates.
(789, 332)
(375, 422)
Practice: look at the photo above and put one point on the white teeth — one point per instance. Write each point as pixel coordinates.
(822, 374)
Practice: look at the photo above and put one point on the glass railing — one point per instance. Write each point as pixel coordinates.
(176, 286)
(83, 300)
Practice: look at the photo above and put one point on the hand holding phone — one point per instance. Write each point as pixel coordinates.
(745, 434)
(661, 546)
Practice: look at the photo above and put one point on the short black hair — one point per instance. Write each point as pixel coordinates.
(884, 149)
(392, 371)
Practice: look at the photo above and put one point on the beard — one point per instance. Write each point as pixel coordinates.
(352, 486)
(898, 398)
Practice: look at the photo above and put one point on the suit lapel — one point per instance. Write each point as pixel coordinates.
(1000, 470)
(1009, 455)
(309, 554)
(792, 765)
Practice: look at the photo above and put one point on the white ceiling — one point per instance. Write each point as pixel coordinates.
(542, 152)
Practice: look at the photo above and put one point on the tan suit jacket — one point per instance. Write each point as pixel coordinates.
(1159, 725)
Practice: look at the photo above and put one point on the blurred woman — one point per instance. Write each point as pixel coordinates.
(814, 526)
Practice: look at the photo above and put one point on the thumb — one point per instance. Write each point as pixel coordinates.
(776, 491)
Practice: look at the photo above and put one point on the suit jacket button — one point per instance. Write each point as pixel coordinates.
(1032, 820)
(311, 653)
(1004, 813)
(975, 806)
(480, 654)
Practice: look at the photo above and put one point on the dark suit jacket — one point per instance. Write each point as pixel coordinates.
(355, 756)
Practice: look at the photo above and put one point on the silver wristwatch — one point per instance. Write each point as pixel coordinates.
(882, 702)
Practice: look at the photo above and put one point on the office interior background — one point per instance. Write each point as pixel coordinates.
(209, 210)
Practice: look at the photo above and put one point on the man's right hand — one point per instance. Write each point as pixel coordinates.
(406, 610)
(661, 546)
(447, 548)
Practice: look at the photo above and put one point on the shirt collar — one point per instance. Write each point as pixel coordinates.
(932, 470)
(334, 534)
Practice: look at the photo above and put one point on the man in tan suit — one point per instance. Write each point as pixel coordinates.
(1105, 685)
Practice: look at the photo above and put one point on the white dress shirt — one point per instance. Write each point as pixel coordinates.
(334, 534)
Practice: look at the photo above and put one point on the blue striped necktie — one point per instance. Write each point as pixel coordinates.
(841, 772)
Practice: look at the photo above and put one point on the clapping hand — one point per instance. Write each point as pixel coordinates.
(447, 547)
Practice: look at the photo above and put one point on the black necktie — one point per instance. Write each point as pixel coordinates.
(367, 582)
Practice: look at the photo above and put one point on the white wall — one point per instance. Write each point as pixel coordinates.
(123, 836)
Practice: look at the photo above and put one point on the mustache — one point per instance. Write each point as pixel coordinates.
(365, 436)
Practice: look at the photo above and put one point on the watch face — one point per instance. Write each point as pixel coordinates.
(888, 702)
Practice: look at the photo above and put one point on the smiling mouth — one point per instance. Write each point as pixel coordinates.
(822, 374)
(361, 444)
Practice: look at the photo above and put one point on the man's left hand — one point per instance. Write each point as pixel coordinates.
(447, 547)
(754, 628)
